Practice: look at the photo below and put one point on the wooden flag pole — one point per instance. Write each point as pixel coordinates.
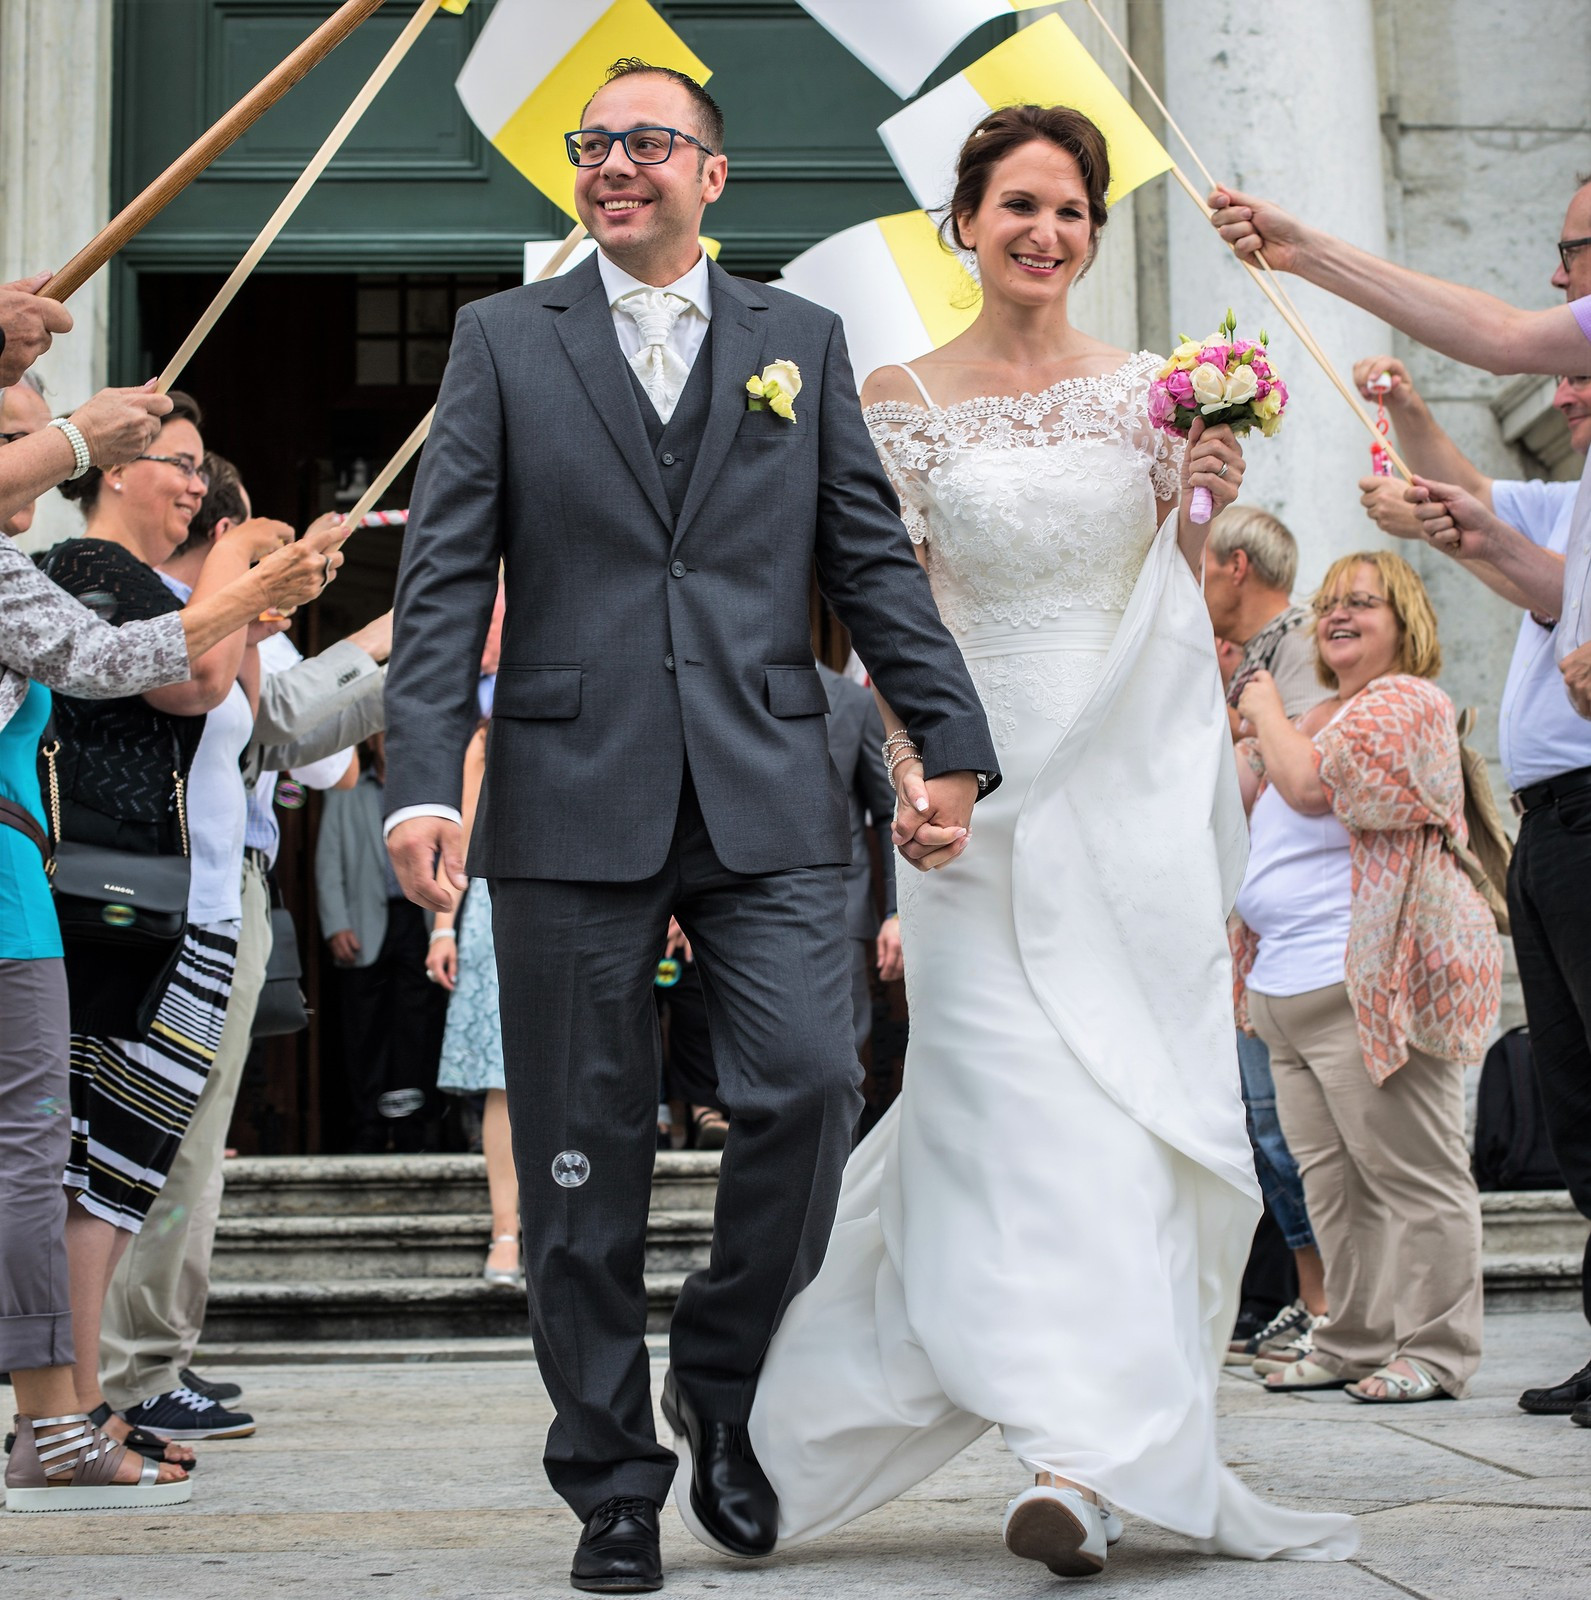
(1270, 285)
(140, 212)
(283, 214)
(406, 451)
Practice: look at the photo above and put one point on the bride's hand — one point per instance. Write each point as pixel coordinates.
(1213, 460)
(927, 834)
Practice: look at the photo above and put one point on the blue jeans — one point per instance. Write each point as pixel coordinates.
(1273, 1161)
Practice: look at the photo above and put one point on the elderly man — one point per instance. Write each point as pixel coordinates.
(1469, 326)
(1485, 332)
(23, 410)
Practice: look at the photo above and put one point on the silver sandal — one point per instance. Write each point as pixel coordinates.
(1401, 1390)
(89, 1459)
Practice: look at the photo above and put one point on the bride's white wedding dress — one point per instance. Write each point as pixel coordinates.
(1048, 1229)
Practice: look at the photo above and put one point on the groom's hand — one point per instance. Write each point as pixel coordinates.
(416, 846)
(933, 815)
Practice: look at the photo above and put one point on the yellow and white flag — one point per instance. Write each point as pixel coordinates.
(892, 284)
(537, 63)
(904, 40)
(1042, 65)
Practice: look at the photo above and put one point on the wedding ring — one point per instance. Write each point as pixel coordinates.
(1224, 466)
(325, 575)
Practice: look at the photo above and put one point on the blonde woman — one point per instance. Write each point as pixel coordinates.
(1371, 967)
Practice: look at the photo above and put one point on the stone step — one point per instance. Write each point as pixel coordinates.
(441, 1309)
(308, 1186)
(446, 1245)
(1532, 1222)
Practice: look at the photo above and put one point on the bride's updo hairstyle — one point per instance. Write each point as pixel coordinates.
(1009, 129)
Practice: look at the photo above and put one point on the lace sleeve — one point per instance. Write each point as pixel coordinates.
(1164, 451)
(889, 425)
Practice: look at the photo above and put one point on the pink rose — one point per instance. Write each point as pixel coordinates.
(1180, 387)
(1262, 389)
(1162, 408)
(1217, 355)
(1280, 389)
(1262, 367)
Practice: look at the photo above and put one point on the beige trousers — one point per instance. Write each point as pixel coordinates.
(154, 1311)
(1387, 1180)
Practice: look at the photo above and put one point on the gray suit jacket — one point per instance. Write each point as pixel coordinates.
(856, 741)
(635, 643)
(322, 704)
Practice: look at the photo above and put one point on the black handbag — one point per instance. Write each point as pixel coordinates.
(282, 1008)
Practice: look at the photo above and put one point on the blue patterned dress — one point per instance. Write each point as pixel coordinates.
(472, 1047)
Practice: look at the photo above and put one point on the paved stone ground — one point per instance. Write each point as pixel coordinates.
(399, 1482)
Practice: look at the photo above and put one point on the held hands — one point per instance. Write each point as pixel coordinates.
(428, 856)
(1213, 460)
(932, 815)
(119, 424)
(1250, 226)
(30, 324)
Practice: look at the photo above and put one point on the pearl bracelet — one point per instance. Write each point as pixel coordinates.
(81, 460)
(442, 933)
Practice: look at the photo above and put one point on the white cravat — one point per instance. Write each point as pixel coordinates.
(661, 369)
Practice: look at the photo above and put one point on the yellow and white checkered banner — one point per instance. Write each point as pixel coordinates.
(537, 63)
(1042, 65)
(892, 284)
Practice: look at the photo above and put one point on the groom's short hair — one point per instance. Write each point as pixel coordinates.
(709, 117)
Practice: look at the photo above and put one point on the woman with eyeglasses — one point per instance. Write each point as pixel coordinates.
(144, 1028)
(1369, 963)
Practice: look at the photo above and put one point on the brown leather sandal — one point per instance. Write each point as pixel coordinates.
(712, 1127)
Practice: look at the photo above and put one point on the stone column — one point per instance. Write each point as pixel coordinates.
(55, 130)
(1282, 101)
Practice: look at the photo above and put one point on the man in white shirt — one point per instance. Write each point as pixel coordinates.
(1546, 754)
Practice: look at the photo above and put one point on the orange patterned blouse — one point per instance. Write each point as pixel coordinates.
(1424, 962)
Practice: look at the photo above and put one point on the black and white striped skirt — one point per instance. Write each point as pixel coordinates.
(132, 1100)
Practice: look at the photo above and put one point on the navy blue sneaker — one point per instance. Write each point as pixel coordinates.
(183, 1414)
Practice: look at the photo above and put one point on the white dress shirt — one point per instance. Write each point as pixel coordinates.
(685, 340)
(1539, 736)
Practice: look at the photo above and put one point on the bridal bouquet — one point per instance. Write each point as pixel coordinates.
(1223, 379)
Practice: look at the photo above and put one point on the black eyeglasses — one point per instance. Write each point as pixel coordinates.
(1567, 249)
(186, 465)
(646, 147)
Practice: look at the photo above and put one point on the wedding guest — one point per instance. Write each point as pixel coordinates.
(48, 638)
(1251, 562)
(1371, 967)
(1545, 749)
(23, 411)
(464, 962)
(154, 1310)
(392, 1015)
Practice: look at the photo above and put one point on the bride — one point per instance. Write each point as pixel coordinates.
(1047, 1231)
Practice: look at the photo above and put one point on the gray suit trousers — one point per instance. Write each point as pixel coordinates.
(581, 1055)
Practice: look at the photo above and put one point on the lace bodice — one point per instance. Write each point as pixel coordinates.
(1031, 505)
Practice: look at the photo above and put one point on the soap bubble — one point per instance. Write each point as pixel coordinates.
(397, 1103)
(570, 1169)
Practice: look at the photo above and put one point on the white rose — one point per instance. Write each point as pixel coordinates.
(1209, 384)
(1241, 387)
(786, 374)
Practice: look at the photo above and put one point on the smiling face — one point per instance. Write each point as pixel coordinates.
(645, 218)
(157, 500)
(1359, 645)
(1031, 232)
(1576, 225)
(1573, 402)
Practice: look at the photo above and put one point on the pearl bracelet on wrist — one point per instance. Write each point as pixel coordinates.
(442, 933)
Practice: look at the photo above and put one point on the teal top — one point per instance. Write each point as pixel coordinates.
(28, 929)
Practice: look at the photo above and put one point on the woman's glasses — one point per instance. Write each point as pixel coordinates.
(1354, 600)
(186, 465)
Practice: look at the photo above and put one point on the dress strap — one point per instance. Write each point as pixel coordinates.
(928, 399)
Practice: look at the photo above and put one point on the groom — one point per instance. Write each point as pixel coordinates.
(658, 745)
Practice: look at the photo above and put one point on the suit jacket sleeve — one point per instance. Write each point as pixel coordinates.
(869, 574)
(364, 715)
(447, 583)
(877, 794)
(331, 891)
(307, 693)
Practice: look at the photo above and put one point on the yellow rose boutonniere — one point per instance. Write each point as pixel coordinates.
(775, 390)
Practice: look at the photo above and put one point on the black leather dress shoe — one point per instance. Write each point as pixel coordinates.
(618, 1553)
(1559, 1398)
(730, 1495)
(1581, 1415)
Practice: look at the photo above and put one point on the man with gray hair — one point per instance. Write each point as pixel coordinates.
(1250, 564)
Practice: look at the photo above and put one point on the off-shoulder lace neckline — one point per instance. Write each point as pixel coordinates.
(1027, 399)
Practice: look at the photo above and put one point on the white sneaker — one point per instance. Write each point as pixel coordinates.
(1068, 1533)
